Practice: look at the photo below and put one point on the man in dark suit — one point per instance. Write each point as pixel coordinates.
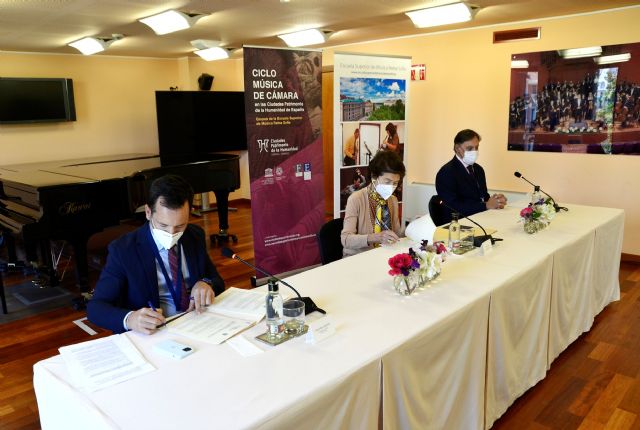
(461, 182)
(158, 270)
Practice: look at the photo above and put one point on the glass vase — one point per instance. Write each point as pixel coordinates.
(405, 285)
(532, 226)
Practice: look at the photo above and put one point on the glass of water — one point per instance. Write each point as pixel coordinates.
(293, 311)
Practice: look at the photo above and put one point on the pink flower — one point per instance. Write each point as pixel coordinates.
(400, 264)
(526, 212)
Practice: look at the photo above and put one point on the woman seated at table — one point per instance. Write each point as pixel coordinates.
(371, 216)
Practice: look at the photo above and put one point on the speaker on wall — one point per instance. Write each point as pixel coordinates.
(205, 81)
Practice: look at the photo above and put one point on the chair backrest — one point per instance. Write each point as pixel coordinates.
(435, 211)
(329, 241)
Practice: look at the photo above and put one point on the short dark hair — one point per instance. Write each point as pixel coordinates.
(173, 189)
(465, 135)
(386, 162)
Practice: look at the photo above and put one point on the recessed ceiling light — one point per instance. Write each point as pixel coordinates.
(170, 21)
(93, 45)
(441, 15)
(304, 37)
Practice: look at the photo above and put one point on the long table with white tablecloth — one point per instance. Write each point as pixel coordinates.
(454, 355)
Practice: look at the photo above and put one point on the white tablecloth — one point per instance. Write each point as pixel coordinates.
(455, 355)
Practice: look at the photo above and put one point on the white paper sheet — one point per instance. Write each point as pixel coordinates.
(209, 327)
(104, 362)
(239, 303)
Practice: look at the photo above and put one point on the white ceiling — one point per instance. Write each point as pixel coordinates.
(49, 25)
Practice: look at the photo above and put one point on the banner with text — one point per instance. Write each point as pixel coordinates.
(283, 103)
(370, 94)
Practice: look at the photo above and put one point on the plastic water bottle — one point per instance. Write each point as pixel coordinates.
(536, 196)
(454, 233)
(275, 320)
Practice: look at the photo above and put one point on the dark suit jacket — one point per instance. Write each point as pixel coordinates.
(129, 279)
(460, 190)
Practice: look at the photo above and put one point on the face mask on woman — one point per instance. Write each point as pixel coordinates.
(385, 190)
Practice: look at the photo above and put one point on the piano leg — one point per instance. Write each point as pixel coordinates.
(222, 203)
(79, 245)
(46, 275)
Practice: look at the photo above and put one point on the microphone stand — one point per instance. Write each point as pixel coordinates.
(556, 206)
(309, 305)
(477, 241)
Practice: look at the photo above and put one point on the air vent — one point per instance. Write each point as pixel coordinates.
(520, 34)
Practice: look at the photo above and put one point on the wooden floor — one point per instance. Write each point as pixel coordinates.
(594, 384)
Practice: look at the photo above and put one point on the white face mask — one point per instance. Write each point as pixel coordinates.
(470, 157)
(164, 238)
(385, 190)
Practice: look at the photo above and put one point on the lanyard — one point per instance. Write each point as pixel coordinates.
(175, 288)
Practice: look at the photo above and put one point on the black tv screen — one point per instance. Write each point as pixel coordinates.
(31, 100)
(191, 123)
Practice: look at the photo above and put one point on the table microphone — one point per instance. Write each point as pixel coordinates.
(556, 206)
(309, 305)
(477, 241)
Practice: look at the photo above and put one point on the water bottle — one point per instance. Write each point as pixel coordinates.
(536, 196)
(275, 320)
(454, 233)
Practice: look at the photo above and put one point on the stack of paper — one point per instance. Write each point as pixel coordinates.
(232, 312)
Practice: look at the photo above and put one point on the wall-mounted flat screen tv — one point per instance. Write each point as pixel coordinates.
(192, 123)
(31, 100)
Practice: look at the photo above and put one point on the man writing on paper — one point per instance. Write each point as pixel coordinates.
(158, 270)
(461, 182)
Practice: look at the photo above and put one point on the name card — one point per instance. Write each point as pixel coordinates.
(487, 247)
(320, 329)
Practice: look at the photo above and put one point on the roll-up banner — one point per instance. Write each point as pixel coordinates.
(370, 115)
(283, 103)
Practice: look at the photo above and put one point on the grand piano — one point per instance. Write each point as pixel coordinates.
(71, 200)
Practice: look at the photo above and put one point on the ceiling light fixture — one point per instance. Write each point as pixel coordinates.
(93, 45)
(442, 15)
(304, 37)
(591, 51)
(608, 59)
(519, 64)
(170, 21)
(209, 50)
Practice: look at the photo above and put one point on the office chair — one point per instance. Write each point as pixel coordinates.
(435, 211)
(329, 241)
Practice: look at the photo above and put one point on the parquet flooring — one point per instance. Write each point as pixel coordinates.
(594, 384)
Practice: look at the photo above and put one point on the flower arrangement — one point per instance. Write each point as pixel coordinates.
(416, 267)
(537, 215)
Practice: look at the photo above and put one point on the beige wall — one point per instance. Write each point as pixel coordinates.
(115, 105)
(467, 86)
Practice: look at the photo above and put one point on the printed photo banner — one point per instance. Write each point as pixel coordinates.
(370, 111)
(283, 104)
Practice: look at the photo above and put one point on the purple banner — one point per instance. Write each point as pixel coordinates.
(283, 102)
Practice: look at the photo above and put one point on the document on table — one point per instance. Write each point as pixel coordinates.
(100, 363)
(209, 327)
(231, 312)
(238, 303)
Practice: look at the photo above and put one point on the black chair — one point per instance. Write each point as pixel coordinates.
(329, 241)
(436, 212)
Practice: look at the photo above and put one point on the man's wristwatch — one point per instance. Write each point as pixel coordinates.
(207, 281)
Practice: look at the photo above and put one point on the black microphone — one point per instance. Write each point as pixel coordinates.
(477, 241)
(309, 305)
(556, 206)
